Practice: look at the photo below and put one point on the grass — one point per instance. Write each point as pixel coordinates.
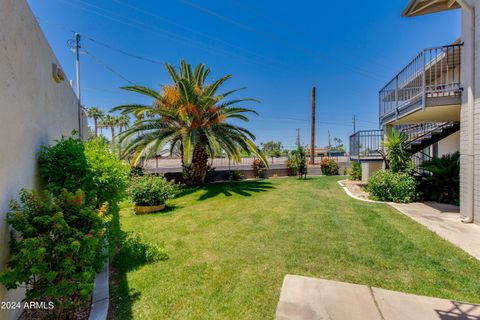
(231, 244)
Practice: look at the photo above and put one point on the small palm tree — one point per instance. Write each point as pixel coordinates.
(443, 182)
(96, 114)
(397, 151)
(190, 115)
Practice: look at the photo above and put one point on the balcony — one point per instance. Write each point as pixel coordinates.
(366, 145)
(429, 83)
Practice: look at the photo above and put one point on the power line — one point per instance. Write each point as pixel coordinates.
(109, 14)
(236, 47)
(129, 54)
(281, 25)
(280, 41)
(103, 64)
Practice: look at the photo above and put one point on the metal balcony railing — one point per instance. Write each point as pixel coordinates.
(366, 145)
(434, 72)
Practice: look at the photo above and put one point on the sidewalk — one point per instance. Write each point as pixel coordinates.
(443, 219)
(304, 298)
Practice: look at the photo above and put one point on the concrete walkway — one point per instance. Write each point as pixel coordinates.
(304, 298)
(444, 220)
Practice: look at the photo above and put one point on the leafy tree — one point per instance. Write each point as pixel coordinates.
(192, 115)
(338, 144)
(272, 148)
(96, 114)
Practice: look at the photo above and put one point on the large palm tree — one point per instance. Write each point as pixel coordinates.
(190, 115)
(96, 114)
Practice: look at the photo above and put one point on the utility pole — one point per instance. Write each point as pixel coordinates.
(329, 144)
(312, 130)
(77, 63)
(354, 124)
(77, 71)
(298, 137)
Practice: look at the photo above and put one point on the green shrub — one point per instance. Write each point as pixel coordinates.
(443, 183)
(150, 190)
(56, 248)
(70, 164)
(356, 171)
(297, 162)
(63, 165)
(292, 167)
(259, 168)
(393, 186)
(235, 175)
(329, 167)
(109, 174)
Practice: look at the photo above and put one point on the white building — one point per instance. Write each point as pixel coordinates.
(435, 100)
(37, 106)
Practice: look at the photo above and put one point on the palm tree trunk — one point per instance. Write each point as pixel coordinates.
(199, 163)
(95, 119)
(113, 134)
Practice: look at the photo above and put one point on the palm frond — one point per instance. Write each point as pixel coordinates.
(144, 90)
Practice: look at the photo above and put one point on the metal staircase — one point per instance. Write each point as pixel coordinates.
(424, 135)
(421, 136)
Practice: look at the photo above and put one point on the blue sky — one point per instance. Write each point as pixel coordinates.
(277, 49)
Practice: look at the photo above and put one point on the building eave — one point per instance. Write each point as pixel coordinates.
(421, 7)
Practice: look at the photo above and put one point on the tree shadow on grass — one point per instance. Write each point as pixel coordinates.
(126, 254)
(243, 188)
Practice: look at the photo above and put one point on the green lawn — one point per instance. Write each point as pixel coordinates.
(231, 245)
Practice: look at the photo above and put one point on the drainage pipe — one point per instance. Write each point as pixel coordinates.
(469, 216)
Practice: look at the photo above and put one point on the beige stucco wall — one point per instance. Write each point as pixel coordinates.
(450, 144)
(34, 110)
(369, 167)
(470, 126)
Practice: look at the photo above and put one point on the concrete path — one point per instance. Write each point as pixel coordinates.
(304, 298)
(444, 220)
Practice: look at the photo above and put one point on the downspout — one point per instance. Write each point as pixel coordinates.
(470, 115)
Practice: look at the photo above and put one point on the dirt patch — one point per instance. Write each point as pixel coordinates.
(357, 188)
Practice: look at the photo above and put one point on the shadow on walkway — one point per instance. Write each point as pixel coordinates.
(460, 311)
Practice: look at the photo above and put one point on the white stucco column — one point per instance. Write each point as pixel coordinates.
(469, 116)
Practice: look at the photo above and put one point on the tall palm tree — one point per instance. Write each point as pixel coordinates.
(111, 122)
(96, 114)
(123, 122)
(190, 115)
